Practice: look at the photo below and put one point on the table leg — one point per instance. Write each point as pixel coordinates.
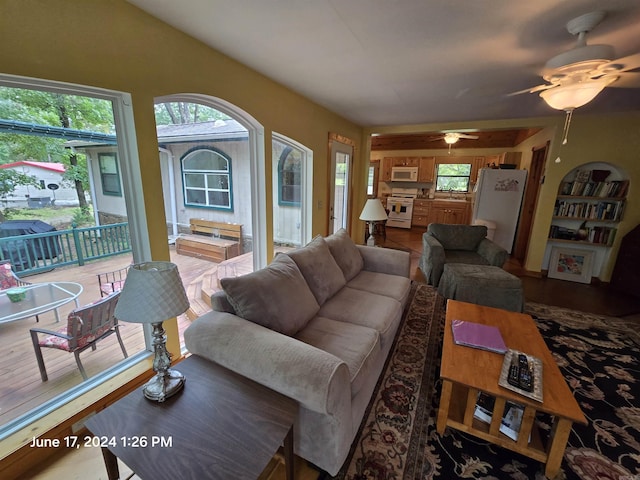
(111, 463)
(443, 409)
(288, 455)
(559, 436)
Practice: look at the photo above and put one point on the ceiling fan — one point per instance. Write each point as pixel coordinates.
(452, 137)
(577, 76)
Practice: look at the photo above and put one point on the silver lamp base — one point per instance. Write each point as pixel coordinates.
(160, 387)
(167, 382)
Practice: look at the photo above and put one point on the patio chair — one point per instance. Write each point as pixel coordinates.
(86, 326)
(110, 282)
(8, 279)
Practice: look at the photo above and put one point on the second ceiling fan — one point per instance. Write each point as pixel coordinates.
(452, 137)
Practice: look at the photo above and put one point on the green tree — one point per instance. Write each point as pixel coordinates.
(9, 180)
(54, 109)
(179, 113)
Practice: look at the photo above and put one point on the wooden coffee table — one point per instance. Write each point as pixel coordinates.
(465, 371)
(220, 426)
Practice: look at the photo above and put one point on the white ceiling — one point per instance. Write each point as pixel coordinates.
(397, 62)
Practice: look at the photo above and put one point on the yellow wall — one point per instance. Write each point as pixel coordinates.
(114, 45)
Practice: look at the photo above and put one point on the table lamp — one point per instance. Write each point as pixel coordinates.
(373, 211)
(152, 293)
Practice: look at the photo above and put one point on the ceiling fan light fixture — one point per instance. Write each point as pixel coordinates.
(575, 95)
(451, 138)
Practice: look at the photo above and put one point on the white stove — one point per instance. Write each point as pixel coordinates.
(400, 206)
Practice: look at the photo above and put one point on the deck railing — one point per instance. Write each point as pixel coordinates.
(41, 252)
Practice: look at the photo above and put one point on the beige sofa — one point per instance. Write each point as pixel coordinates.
(316, 325)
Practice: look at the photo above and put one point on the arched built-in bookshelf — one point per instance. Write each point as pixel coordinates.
(589, 205)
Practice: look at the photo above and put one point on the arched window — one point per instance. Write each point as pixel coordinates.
(206, 175)
(289, 177)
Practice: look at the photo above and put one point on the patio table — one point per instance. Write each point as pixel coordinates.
(40, 298)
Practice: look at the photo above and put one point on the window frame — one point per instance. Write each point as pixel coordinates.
(468, 177)
(281, 184)
(75, 399)
(205, 174)
(116, 174)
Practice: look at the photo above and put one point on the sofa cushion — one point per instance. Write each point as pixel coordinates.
(346, 253)
(276, 297)
(319, 269)
(464, 256)
(367, 309)
(392, 286)
(357, 346)
(458, 237)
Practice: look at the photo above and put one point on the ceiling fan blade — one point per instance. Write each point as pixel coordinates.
(627, 80)
(624, 64)
(435, 139)
(535, 89)
(464, 135)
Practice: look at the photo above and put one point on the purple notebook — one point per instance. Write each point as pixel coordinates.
(476, 335)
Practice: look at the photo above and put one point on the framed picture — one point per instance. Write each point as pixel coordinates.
(571, 264)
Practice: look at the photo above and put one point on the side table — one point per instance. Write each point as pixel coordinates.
(220, 426)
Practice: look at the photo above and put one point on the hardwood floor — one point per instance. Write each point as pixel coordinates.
(87, 463)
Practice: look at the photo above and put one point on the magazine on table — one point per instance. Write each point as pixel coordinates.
(484, 407)
(511, 420)
(477, 335)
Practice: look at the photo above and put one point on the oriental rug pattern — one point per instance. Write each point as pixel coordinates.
(599, 357)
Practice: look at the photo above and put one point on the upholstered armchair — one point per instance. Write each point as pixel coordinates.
(444, 243)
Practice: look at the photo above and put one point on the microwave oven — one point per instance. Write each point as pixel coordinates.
(404, 174)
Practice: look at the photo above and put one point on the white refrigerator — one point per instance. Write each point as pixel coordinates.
(497, 197)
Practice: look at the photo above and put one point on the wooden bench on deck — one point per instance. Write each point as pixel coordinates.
(210, 240)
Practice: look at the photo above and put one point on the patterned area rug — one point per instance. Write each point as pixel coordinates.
(599, 357)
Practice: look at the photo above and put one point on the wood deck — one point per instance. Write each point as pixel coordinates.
(21, 388)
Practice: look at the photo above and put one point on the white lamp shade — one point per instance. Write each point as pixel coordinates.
(574, 95)
(373, 211)
(152, 293)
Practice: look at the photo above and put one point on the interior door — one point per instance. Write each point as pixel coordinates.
(340, 189)
(530, 201)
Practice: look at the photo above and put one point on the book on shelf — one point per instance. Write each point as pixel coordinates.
(477, 335)
(608, 189)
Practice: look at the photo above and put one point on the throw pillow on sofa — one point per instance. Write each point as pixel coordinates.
(276, 297)
(319, 268)
(345, 253)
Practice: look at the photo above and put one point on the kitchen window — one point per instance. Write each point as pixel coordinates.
(453, 177)
(206, 177)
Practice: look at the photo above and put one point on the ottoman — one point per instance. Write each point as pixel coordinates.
(482, 285)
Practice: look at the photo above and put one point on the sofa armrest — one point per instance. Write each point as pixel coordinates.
(316, 379)
(386, 260)
(492, 253)
(432, 260)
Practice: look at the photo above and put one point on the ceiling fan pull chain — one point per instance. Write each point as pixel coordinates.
(567, 122)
